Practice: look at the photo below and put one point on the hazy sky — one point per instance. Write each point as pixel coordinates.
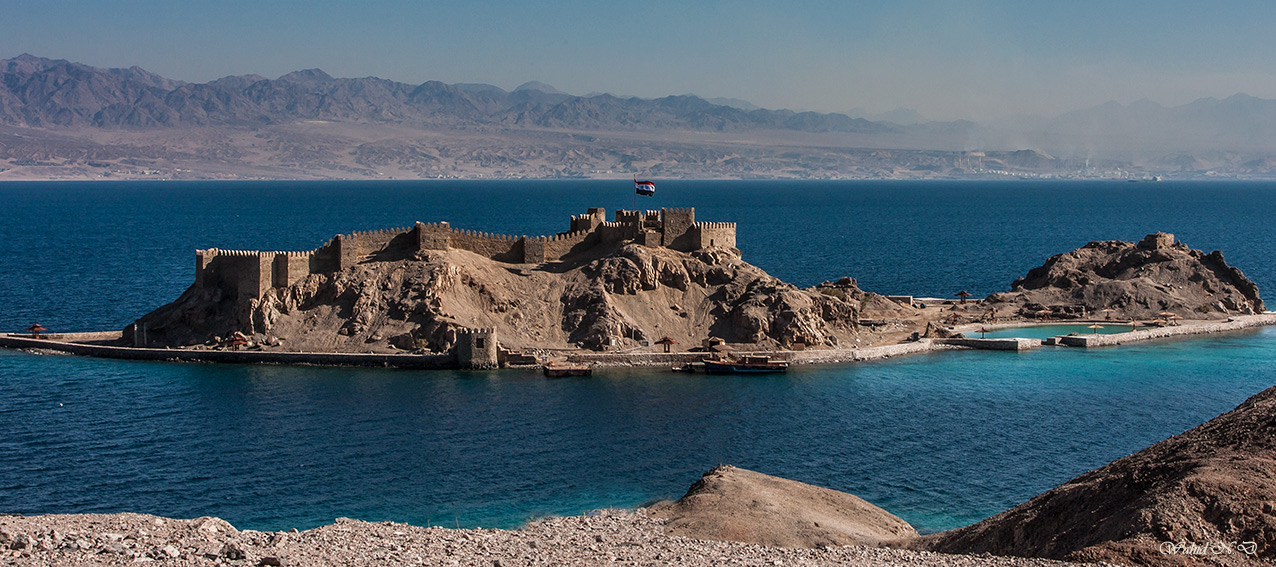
(948, 60)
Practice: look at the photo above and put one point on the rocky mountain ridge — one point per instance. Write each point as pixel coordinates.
(44, 93)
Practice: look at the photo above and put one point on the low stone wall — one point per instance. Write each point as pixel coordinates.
(1237, 323)
(865, 354)
(80, 337)
(834, 356)
(427, 361)
(993, 344)
(638, 358)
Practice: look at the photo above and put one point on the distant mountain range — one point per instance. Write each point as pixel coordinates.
(64, 119)
(45, 93)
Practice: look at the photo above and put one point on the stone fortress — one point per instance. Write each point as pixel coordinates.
(250, 273)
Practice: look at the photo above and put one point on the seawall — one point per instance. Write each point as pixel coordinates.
(1234, 324)
(417, 361)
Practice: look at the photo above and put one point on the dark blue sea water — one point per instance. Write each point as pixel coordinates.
(941, 440)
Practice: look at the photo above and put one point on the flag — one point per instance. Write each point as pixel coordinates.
(644, 187)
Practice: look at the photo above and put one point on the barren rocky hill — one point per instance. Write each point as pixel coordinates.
(612, 296)
(733, 504)
(1213, 487)
(1134, 280)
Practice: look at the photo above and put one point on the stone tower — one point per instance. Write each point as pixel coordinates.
(476, 348)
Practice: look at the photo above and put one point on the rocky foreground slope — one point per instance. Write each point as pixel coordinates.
(602, 538)
(617, 296)
(1140, 281)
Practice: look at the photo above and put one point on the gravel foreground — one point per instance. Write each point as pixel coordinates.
(608, 537)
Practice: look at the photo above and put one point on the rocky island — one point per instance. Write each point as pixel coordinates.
(1142, 280)
(619, 285)
(617, 292)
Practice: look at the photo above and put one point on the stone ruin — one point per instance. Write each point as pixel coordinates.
(248, 274)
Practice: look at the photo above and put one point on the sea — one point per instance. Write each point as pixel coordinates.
(941, 440)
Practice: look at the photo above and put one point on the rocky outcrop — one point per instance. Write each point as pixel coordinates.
(1205, 497)
(731, 504)
(1140, 281)
(620, 296)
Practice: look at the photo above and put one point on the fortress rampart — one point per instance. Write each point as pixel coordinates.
(250, 273)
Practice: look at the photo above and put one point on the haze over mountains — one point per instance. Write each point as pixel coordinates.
(60, 119)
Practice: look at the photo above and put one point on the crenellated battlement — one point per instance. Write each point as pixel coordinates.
(251, 273)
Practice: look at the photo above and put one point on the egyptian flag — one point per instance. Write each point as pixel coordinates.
(644, 187)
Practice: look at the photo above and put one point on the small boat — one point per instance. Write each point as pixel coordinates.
(564, 369)
(689, 368)
(746, 365)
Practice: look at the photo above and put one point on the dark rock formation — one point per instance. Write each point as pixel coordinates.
(1136, 281)
(1214, 485)
(734, 504)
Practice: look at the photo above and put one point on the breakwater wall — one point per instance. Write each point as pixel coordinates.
(1236, 323)
(418, 361)
(992, 344)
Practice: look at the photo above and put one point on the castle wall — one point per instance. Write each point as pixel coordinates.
(347, 251)
(533, 250)
(610, 232)
(676, 228)
(201, 261)
(290, 267)
(588, 221)
(559, 245)
(499, 247)
(325, 259)
(432, 236)
(246, 272)
(250, 273)
(713, 235)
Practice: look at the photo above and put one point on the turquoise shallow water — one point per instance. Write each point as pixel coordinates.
(942, 440)
(1046, 331)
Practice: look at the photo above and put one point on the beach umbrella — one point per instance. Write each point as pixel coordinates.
(982, 331)
(963, 294)
(666, 341)
(1109, 311)
(1096, 328)
(35, 329)
(1133, 324)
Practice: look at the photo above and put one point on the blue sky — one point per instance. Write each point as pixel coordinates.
(947, 59)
